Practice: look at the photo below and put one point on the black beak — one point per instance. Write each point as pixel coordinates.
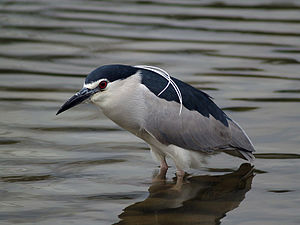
(79, 97)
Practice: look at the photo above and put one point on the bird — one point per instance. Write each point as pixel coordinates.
(175, 119)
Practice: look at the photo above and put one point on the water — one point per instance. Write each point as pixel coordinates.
(80, 168)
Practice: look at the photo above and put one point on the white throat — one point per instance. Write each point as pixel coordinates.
(123, 103)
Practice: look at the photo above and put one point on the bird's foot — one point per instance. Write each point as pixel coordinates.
(161, 176)
(179, 181)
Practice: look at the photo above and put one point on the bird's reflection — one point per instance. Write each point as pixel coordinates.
(200, 200)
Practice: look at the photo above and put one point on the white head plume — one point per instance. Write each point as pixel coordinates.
(165, 75)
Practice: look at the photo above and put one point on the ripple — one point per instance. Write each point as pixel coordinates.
(246, 75)
(95, 162)
(291, 51)
(39, 73)
(268, 99)
(240, 108)
(265, 6)
(161, 51)
(237, 69)
(163, 25)
(28, 100)
(269, 60)
(25, 178)
(42, 57)
(117, 196)
(177, 40)
(223, 5)
(288, 91)
(276, 156)
(37, 89)
(8, 141)
(280, 191)
(176, 16)
(75, 129)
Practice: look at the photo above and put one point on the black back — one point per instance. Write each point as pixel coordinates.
(192, 98)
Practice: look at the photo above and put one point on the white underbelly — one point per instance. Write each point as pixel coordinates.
(183, 158)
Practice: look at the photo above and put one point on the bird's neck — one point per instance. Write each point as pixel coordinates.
(123, 103)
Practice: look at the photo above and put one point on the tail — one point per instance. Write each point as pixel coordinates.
(247, 155)
(241, 142)
(241, 153)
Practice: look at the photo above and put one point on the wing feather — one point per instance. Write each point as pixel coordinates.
(201, 125)
(192, 130)
(189, 130)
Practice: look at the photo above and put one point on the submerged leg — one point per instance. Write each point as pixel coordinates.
(163, 164)
(163, 171)
(160, 157)
(180, 175)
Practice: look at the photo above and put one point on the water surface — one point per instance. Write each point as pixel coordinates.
(80, 168)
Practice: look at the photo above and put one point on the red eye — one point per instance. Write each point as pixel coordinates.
(103, 84)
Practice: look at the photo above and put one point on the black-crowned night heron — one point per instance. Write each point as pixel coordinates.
(174, 118)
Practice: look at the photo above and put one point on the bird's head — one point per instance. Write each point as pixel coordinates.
(98, 82)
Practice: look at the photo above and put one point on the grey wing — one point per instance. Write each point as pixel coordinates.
(191, 130)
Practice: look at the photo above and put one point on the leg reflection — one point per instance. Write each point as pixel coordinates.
(201, 200)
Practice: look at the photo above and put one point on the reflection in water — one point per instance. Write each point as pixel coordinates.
(201, 200)
(82, 169)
